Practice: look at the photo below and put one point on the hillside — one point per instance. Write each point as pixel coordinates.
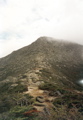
(65, 58)
(46, 65)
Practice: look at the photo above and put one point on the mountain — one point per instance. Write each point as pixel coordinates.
(47, 63)
(65, 59)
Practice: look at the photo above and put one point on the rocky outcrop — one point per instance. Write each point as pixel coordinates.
(40, 99)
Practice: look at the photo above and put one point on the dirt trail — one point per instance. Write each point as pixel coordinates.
(35, 92)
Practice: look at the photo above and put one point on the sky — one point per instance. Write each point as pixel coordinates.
(23, 21)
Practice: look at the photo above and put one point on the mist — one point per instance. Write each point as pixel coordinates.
(24, 21)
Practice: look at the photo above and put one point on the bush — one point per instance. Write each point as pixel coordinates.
(48, 86)
(19, 88)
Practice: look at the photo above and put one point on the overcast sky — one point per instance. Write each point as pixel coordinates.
(23, 21)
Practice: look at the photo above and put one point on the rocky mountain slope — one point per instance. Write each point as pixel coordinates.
(64, 60)
(49, 68)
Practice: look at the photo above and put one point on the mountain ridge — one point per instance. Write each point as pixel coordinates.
(42, 78)
(45, 52)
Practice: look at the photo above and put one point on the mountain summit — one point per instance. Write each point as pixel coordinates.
(42, 82)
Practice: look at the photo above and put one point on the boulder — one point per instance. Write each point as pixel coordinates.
(39, 104)
(40, 99)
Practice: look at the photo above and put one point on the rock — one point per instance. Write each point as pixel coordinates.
(39, 104)
(14, 85)
(58, 92)
(39, 83)
(40, 99)
(52, 94)
(47, 100)
(45, 91)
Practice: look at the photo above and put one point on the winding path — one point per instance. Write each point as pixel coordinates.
(35, 92)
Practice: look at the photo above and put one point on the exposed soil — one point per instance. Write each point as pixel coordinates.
(35, 92)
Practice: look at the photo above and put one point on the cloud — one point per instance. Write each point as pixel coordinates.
(2, 2)
(23, 21)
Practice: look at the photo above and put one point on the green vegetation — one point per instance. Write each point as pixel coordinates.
(17, 113)
(68, 105)
(53, 87)
(47, 86)
(10, 88)
(13, 102)
(55, 64)
(71, 105)
(70, 99)
(62, 113)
